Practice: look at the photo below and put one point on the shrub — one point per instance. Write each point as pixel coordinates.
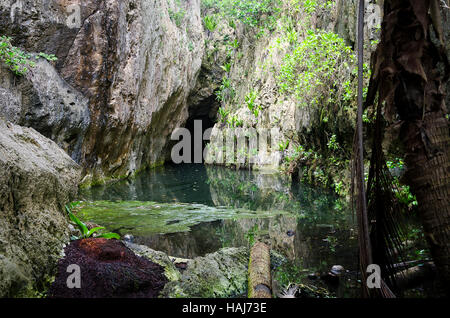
(250, 101)
(313, 71)
(17, 60)
(210, 22)
(223, 114)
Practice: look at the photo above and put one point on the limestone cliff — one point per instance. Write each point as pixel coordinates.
(129, 72)
(121, 82)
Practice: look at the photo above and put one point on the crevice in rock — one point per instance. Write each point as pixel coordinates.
(206, 112)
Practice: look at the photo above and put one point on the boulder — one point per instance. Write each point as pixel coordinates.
(37, 179)
(216, 275)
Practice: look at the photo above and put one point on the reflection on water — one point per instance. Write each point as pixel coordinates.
(312, 228)
(168, 184)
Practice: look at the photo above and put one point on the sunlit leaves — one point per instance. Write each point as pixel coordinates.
(17, 60)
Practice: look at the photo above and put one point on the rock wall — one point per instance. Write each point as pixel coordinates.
(121, 82)
(255, 64)
(129, 72)
(36, 179)
(132, 71)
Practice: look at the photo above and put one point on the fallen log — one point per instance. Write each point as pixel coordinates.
(259, 280)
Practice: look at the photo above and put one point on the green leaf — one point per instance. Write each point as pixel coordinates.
(83, 228)
(109, 236)
(95, 229)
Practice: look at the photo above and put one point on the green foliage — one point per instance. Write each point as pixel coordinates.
(295, 154)
(85, 232)
(402, 192)
(210, 22)
(234, 44)
(250, 101)
(250, 12)
(48, 57)
(252, 234)
(332, 243)
(232, 24)
(177, 16)
(223, 114)
(226, 91)
(310, 6)
(209, 4)
(397, 163)
(226, 67)
(313, 71)
(235, 122)
(283, 145)
(17, 60)
(332, 143)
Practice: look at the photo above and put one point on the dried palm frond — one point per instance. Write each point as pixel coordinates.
(288, 292)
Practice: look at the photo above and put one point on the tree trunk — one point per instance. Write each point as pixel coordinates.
(427, 159)
(412, 72)
(259, 280)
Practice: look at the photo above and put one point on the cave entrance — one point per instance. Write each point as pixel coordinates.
(206, 112)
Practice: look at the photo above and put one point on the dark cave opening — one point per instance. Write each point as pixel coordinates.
(202, 115)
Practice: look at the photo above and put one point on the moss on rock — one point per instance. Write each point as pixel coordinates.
(221, 274)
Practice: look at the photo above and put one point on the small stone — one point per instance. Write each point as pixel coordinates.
(337, 270)
(73, 231)
(181, 266)
(290, 233)
(128, 238)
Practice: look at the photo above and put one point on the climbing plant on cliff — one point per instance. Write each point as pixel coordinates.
(250, 12)
(17, 60)
(316, 68)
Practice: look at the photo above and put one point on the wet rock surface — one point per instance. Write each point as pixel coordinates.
(107, 269)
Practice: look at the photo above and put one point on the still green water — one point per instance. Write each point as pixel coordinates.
(191, 210)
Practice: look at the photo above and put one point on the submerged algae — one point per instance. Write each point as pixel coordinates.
(146, 217)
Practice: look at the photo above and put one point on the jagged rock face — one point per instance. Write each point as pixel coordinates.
(135, 62)
(47, 103)
(36, 179)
